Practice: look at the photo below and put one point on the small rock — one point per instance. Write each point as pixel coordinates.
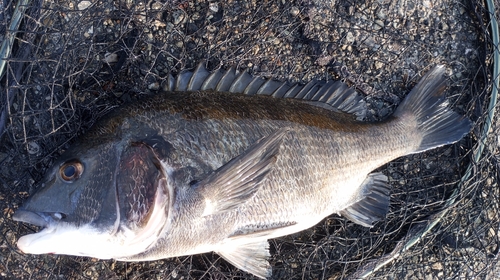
(84, 5)
(437, 266)
(110, 57)
(154, 86)
(378, 24)
(349, 38)
(381, 15)
(294, 11)
(178, 16)
(33, 148)
(214, 7)
(445, 27)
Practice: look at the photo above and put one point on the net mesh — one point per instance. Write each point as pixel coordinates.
(66, 63)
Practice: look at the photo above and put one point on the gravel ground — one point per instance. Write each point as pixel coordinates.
(90, 56)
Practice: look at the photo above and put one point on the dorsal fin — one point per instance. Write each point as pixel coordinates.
(332, 95)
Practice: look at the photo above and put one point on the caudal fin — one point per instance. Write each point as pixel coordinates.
(426, 104)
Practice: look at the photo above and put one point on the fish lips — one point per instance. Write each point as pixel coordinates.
(40, 219)
(48, 221)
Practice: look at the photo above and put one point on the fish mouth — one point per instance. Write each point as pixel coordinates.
(40, 219)
(35, 243)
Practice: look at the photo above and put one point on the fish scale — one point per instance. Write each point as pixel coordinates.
(195, 170)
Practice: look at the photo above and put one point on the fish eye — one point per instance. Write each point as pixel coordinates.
(71, 170)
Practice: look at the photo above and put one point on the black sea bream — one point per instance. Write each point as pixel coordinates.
(224, 161)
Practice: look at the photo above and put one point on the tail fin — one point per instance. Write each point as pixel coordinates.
(427, 104)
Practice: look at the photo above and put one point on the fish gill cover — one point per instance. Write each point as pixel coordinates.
(69, 62)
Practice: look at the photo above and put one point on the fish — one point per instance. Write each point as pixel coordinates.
(222, 161)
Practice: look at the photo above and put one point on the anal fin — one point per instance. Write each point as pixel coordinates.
(250, 257)
(374, 202)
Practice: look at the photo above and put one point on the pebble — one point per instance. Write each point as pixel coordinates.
(178, 16)
(84, 5)
(33, 148)
(214, 7)
(379, 24)
(294, 11)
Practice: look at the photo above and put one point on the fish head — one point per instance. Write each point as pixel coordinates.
(104, 200)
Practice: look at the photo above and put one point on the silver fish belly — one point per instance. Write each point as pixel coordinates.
(216, 164)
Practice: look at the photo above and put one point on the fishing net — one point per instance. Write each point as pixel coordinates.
(64, 64)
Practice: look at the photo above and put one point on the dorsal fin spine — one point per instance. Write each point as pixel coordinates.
(333, 95)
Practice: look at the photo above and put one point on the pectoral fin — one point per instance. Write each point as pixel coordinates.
(374, 202)
(239, 179)
(250, 257)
